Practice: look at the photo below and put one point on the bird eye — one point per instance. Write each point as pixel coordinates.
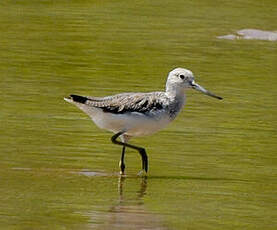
(182, 76)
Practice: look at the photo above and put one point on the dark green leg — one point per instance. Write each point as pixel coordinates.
(121, 162)
(141, 150)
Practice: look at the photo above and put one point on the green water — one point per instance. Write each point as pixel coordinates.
(214, 167)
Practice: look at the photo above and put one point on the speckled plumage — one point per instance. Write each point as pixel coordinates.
(138, 114)
(147, 103)
(129, 102)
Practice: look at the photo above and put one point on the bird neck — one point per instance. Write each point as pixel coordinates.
(177, 99)
(174, 92)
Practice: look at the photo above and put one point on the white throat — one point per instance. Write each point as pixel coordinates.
(175, 91)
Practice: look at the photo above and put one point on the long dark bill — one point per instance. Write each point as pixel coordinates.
(203, 90)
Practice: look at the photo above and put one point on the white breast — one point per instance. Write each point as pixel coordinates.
(135, 124)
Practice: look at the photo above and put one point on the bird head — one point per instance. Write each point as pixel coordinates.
(180, 79)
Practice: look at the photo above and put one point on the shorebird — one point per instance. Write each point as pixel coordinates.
(130, 115)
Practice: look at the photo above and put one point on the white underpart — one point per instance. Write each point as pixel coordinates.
(133, 123)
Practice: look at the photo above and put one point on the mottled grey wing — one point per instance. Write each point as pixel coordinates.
(128, 102)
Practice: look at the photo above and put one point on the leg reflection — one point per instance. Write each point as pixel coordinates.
(129, 212)
(140, 193)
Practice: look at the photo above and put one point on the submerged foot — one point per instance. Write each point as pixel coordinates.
(142, 173)
(122, 167)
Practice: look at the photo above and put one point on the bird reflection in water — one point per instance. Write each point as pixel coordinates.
(129, 213)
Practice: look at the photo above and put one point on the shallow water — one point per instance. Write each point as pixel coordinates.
(214, 167)
(249, 34)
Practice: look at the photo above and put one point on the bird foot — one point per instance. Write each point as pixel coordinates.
(122, 167)
(142, 173)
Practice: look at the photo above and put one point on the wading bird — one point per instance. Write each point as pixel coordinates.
(130, 115)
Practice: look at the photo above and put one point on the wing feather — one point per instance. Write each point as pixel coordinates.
(129, 102)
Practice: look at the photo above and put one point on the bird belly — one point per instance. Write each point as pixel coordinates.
(147, 126)
(134, 124)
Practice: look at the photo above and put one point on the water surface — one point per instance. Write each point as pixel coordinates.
(214, 167)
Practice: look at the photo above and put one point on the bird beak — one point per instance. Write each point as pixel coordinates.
(201, 89)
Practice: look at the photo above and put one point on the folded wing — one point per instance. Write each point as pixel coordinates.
(126, 102)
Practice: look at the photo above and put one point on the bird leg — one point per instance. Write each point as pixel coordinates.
(121, 162)
(141, 151)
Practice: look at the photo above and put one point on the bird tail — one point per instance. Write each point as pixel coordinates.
(76, 98)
